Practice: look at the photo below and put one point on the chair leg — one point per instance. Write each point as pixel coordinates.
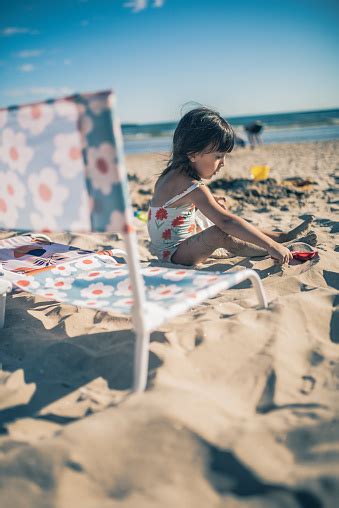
(141, 356)
(257, 284)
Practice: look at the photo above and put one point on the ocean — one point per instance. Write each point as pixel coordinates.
(296, 127)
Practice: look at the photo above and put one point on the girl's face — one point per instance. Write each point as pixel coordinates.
(207, 164)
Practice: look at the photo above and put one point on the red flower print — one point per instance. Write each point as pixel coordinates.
(128, 228)
(166, 254)
(93, 274)
(166, 234)
(149, 214)
(178, 221)
(191, 229)
(161, 214)
(14, 154)
(22, 283)
(3, 206)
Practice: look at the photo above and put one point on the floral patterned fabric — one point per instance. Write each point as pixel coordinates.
(61, 166)
(24, 254)
(104, 285)
(167, 227)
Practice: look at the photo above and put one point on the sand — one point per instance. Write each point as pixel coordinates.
(242, 404)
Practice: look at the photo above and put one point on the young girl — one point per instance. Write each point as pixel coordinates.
(200, 143)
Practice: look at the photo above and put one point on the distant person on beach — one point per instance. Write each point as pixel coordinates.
(253, 131)
(238, 141)
(200, 144)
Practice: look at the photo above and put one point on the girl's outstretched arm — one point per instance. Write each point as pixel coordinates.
(236, 226)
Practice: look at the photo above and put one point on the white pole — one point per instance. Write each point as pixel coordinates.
(257, 284)
(133, 263)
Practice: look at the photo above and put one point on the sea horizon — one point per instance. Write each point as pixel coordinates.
(244, 117)
(296, 126)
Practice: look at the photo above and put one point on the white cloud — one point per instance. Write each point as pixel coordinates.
(136, 5)
(67, 61)
(50, 91)
(26, 68)
(140, 5)
(14, 30)
(43, 91)
(29, 53)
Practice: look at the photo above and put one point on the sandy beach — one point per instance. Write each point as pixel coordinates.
(242, 404)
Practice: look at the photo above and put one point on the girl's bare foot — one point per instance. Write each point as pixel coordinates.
(220, 254)
(311, 239)
(296, 232)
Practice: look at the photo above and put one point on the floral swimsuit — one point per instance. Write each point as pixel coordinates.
(169, 226)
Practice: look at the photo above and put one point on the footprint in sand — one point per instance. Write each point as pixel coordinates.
(308, 385)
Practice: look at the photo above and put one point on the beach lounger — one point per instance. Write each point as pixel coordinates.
(62, 169)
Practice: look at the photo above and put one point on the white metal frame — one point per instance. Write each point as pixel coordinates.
(140, 326)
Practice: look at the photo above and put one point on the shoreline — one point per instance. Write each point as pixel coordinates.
(148, 141)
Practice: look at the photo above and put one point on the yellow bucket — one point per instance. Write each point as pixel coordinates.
(260, 172)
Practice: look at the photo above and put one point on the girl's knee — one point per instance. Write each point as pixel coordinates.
(218, 233)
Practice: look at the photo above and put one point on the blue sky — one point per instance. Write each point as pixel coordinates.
(238, 56)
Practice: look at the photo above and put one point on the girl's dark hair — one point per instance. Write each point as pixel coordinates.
(199, 130)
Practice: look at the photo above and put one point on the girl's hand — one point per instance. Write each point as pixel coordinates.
(280, 253)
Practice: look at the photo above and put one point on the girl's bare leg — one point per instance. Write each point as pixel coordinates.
(199, 247)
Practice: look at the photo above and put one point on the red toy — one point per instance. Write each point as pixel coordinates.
(302, 251)
(301, 255)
